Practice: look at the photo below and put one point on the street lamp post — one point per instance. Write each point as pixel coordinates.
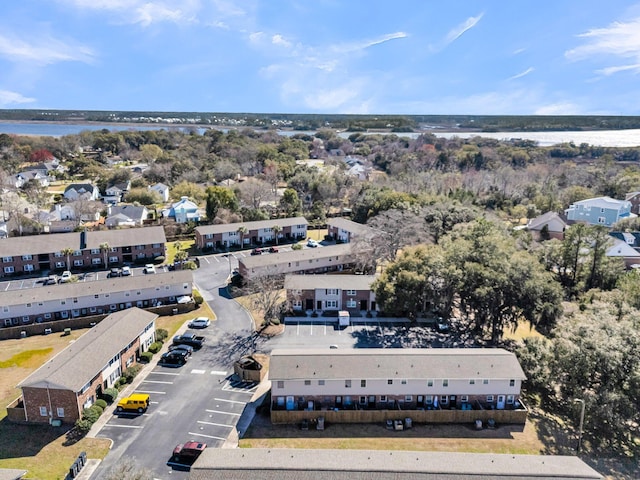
(581, 402)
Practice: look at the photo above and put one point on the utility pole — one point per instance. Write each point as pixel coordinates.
(581, 402)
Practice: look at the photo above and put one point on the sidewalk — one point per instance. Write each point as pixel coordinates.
(248, 414)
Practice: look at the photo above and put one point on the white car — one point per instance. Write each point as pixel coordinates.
(65, 277)
(148, 268)
(200, 322)
(126, 271)
(312, 244)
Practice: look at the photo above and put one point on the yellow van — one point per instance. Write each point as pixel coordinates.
(138, 402)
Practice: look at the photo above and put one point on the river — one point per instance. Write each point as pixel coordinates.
(604, 138)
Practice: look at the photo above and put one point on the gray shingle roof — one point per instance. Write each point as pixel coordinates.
(350, 226)
(296, 255)
(56, 242)
(603, 202)
(233, 227)
(344, 282)
(88, 288)
(381, 363)
(83, 359)
(330, 464)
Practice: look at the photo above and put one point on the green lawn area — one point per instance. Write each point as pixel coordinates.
(185, 245)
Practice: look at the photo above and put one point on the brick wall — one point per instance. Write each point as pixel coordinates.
(34, 398)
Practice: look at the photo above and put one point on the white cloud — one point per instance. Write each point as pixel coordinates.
(459, 30)
(153, 13)
(619, 39)
(560, 108)
(280, 40)
(8, 98)
(43, 51)
(143, 12)
(522, 74)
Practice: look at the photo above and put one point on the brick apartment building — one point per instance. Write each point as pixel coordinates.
(330, 292)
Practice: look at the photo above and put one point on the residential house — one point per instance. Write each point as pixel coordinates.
(50, 303)
(49, 168)
(309, 260)
(599, 211)
(76, 377)
(622, 249)
(225, 235)
(343, 464)
(41, 177)
(319, 380)
(184, 211)
(126, 215)
(84, 191)
(551, 222)
(331, 293)
(162, 190)
(344, 230)
(32, 254)
(634, 198)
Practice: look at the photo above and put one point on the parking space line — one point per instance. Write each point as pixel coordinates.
(206, 259)
(151, 391)
(122, 426)
(164, 373)
(157, 381)
(229, 401)
(218, 372)
(223, 413)
(199, 372)
(216, 259)
(206, 436)
(216, 424)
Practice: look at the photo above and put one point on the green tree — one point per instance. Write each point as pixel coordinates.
(188, 189)
(290, 202)
(220, 197)
(242, 230)
(143, 196)
(276, 231)
(67, 252)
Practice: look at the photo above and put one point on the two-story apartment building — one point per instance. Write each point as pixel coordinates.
(79, 299)
(599, 211)
(345, 231)
(74, 379)
(32, 254)
(351, 293)
(309, 260)
(260, 232)
(316, 380)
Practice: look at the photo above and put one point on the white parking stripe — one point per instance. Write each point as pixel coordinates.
(216, 424)
(216, 259)
(157, 381)
(164, 373)
(229, 401)
(151, 391)
(223, 413)
(206, 436)
(218, 372)
(122, 426)
(200, 372)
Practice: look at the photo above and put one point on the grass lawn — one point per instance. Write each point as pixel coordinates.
(186, 245)
(44, 451)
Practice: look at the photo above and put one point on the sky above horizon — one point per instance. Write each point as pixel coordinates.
(491, 57)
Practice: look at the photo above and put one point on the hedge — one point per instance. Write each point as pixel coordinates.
(101, 403)
(146, 356)
(110, 394)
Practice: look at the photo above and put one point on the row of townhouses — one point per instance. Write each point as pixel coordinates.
(223, 236)
(90, 249)
(351, 293)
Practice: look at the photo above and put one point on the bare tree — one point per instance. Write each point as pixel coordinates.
(104, 247)
(267, 295)
(254, 191)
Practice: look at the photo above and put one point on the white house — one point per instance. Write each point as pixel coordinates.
(184, 211)
(162, 189)
(84, 191)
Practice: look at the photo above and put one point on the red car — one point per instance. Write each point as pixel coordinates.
(188, 452)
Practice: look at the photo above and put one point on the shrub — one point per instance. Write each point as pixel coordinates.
(161, 335)
(296, 246)
(197, 297)
(158, 260)
(110, 394)
(146, 356)
(120, 382)
(97, 408)
(83, 426)
(130, 373)
(275, 321)
(153, 348)
(189, 265)
(91, 414)
(101, 403)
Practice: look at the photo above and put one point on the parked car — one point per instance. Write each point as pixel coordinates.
(149, 268)
(126, 271)
(138, 402)
(191, 339)
(186, 348)
(256, 251)
(188, 452)
(114, 272)
(65, 277)
(273, 250)
(51, 280)
(200, 322)
(173, 358)
(312, 243)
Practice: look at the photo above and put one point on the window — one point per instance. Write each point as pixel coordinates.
(444, 399)
(351, 303)
(96, 261)
(156, 245)
(429, 383)
(510, 399)
(389, 382)
(7, 259)
(60, 412)
(113, 249)
(489, 398)
(320, 382)
(408, 398)
(280, 384)
(63, 302)
(27, 257)
(28, 267)
(472, 382)
(85, 387)
(347, 384)
(464, 398)
(362, 400)
(77, 253)
(77, 263)
(429, 399)
(60, 265)
(445, 383)
(47, 315)
(113, 259)
(307, 382)
(512, 383)
(75, 299)
(297, 304)
(331, 304)
(8, 269)
(351, 293)
(403, 381)
(331, 291)
(43, 411)
(363, 383)
(57, 254)
(485, 381)
(95, 251)
(383, 398)
(602, 220)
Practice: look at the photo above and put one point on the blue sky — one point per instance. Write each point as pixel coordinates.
(323, 56)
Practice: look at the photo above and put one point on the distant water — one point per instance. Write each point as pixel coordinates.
(604, 138)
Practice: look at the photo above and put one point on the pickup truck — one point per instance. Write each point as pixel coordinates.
(190, 339)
